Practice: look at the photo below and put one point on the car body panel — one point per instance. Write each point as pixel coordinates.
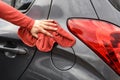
(82, 8)
(86, 61)
(13, 66)
(75, 63)
(106, 11)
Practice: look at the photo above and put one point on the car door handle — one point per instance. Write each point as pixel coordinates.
(16, 50)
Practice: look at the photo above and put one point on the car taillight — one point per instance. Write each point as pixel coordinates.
(101, 36)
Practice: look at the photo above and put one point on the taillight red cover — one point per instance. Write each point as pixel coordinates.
(101, 36)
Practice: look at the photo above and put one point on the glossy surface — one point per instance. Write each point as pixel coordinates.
(12, 64)
(106, 11)
(62, 63)
(13, 68)
(116, 4)
(87, 66)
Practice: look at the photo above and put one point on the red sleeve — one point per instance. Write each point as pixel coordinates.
(14, 16)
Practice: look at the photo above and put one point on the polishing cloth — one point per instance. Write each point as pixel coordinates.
(45, 43)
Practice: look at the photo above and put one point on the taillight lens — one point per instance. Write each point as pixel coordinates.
(102, 37)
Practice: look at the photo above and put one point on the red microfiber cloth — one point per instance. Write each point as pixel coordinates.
(45, 43)
(26, 37)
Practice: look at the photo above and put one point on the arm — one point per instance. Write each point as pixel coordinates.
(14, 16)
(34, 26)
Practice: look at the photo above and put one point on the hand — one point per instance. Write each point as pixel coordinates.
(42, 26)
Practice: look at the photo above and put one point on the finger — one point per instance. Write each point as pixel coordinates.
(35, 35)
(50, 28)
(46, 33)
(43, 26)
(51, 24)
(49, 20)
